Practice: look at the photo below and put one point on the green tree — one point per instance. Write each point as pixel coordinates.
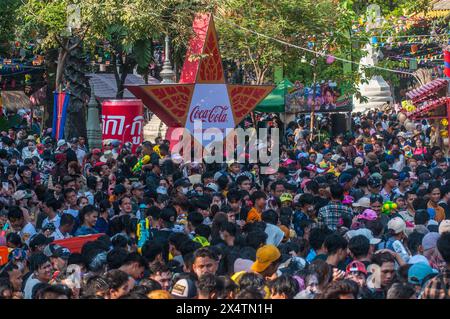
(7, 24)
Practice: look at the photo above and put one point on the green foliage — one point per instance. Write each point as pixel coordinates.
(7, 23)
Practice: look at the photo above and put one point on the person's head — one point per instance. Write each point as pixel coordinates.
(386, 262)
(359, 246)
(228, 232)
(284, 287)
(162, 274)
(415, 242)
(70, 196)
(268, 258)
(317, 238)
(88, 216)
(125, 205)
(343, 289)
(244, 183)
(336, 245)
(435, 193)
(376, 203)
(66, 224)
(401, 291)
(443, 246)
(13, 274)
(208, 286)
(337, 192)
(16, 218)
(118, 283)
(259, 199)
(357, 272)
(41, 267)
(134, 265)
(410, 197)
(270, 217)
(206, 261)
(58, 291)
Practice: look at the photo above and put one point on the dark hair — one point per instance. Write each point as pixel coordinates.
(151, 249)
(250, 293)
(359, 246)
(337, 191)
(414, 241)
(306, 199)
(270, 216)
(158, 267)
(257, 195)
(150, 284)
(334, 242)
(207, 284)
(177, 239)
(227, 285)
(67, 191)
(15, 213)
(88, 209)
(203, 230)
(285, 285)
(381, 258)
(230, 228)
(421, 217)
(37, 260)
(116, 278)
(116, 258)
(195, 218)
(256, 238)
(337, 288)
(322, 270)
(67, 219)
(58, 289)
(205, 252)
(94, 285)
(400, 291)
(251, 280)
(317, 237)
(443, 246)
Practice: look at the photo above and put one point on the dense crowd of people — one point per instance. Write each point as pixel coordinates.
(361, 215)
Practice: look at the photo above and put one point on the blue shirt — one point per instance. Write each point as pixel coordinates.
(84, 230)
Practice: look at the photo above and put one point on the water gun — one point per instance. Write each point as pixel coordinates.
(4, 229)
(388, 207)
(157, 151)
(142, 161)
(142, 232)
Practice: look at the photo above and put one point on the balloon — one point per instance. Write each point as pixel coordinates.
(444, 122)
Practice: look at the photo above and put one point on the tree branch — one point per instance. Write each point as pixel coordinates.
(73, 47)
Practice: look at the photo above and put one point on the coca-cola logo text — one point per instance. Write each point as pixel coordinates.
(218, 114)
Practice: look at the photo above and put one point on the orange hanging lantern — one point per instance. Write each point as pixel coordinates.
(414, 48)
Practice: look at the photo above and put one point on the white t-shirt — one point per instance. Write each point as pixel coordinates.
(31, 282)
(55, 221)
(57, 234)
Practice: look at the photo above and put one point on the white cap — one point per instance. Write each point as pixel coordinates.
(213, 186)
(397, 225)
(362, 202)
(61, 143)
(444, 227)
(363, 232)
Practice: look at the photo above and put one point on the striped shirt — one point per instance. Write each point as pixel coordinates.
(438, 287)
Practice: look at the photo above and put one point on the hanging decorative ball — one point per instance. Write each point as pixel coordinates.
(444, 133)
(310, 45)
(414, 48)
(444, 122)
(330, 59)
(374, 40)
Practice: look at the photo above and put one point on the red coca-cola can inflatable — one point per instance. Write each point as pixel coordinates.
(123, 120)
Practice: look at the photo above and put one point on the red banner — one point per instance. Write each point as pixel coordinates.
(123, 120)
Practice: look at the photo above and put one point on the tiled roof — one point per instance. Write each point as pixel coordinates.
(105, 87)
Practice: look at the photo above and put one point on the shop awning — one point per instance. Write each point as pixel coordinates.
(275, 101)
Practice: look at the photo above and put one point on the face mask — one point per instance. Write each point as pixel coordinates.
(200, 193)
(185, 190)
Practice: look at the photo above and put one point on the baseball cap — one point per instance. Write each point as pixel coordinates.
(397, 225)
(96, 151)
(39, 240)
(213, 187)
(61, 143)
(57, 251)
(444, 226)
(184, 289)
(363, 232)
(265, 255)
(362, 202)
(119, 189)
(21, 194)
(345, 178)
(374, 182)
(368, 214)
(419, 272)
(286, 197)
(429, 240)
(137, 185)
(356, 266)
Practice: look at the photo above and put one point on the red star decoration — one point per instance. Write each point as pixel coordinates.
(203, 71)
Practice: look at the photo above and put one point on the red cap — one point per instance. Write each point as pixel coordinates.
(96, 151)
(356, 266)
(99, 164)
